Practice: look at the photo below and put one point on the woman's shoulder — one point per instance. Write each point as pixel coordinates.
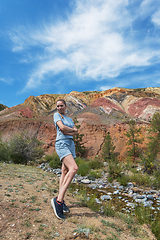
(56, 114)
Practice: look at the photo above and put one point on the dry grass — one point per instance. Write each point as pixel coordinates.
(26, 212)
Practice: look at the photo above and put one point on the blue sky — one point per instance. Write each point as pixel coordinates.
(59, 46)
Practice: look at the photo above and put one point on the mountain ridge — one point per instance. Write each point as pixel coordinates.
(120, 103)
(96, 111)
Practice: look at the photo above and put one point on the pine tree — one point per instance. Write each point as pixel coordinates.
(133, 135)
(109, 156)
(154, 144)
(149, 159)
(79, 145)
(108, 149)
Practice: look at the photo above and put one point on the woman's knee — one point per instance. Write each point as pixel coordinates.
(75, 168)
(70, 163)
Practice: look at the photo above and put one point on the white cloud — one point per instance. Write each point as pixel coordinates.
(96, 41)
(6, 80)
(156, 18)
(2, 80)
(148, 7)
(52, 67)
(103, 88)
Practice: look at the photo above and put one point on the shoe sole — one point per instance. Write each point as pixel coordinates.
(54, 208)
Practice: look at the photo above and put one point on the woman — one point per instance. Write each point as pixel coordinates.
(65, 149)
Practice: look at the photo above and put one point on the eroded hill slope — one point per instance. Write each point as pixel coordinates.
(96, 111)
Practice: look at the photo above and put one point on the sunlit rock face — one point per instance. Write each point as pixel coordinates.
(97, 112)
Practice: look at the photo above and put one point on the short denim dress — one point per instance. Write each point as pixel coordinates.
(65, 147)
(64, 143)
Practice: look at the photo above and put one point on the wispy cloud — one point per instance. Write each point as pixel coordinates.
(6, 80)
(156, 18)
(97, 41)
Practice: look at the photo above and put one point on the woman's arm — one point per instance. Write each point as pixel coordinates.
(67, 130)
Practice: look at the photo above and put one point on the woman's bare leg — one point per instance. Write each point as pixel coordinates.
(64, 172)
(71, 166)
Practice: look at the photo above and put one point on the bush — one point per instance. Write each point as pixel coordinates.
(157, 179)
(96, 163)
(140, 179)
(148, 162)
(83, 169)
(79, 161)
(114, 170)
(83, 166)
(145, 215)
(4, 152)
(94, 174)
(54, 161)
(24, 148)
(124, 179)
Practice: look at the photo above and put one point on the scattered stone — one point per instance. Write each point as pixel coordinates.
(141, 200)
(130, 185)
(129, 204)
(97, 201)
(138, 195)
(105, 197)
(130, 192)
(93, 186)
(148, 203)
(116, 192)
(121, 187)
(56, 234)
(85, 181)
(150, 197)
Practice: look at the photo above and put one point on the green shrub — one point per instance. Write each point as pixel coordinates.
(140, 179)
(114, 170)
(79, 161)
(2, 107)
(83, 166)
(148, 162)
(4, 152)
(96, 163)
(123, 179)
(83, 169)
(54, 161)
(108, 210)
(24, 148)
(156, 181)
(145, 215)
(94, 174)
(48, 158)
(91, 203)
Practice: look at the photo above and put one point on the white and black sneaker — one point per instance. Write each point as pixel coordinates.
(58, 208)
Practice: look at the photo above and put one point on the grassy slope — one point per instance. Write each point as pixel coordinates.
(26, 212)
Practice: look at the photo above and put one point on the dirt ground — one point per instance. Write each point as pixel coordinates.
(26, 212)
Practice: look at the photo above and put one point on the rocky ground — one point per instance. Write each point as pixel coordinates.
(26, 211)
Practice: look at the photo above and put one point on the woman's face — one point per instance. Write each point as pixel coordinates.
(61, 107)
